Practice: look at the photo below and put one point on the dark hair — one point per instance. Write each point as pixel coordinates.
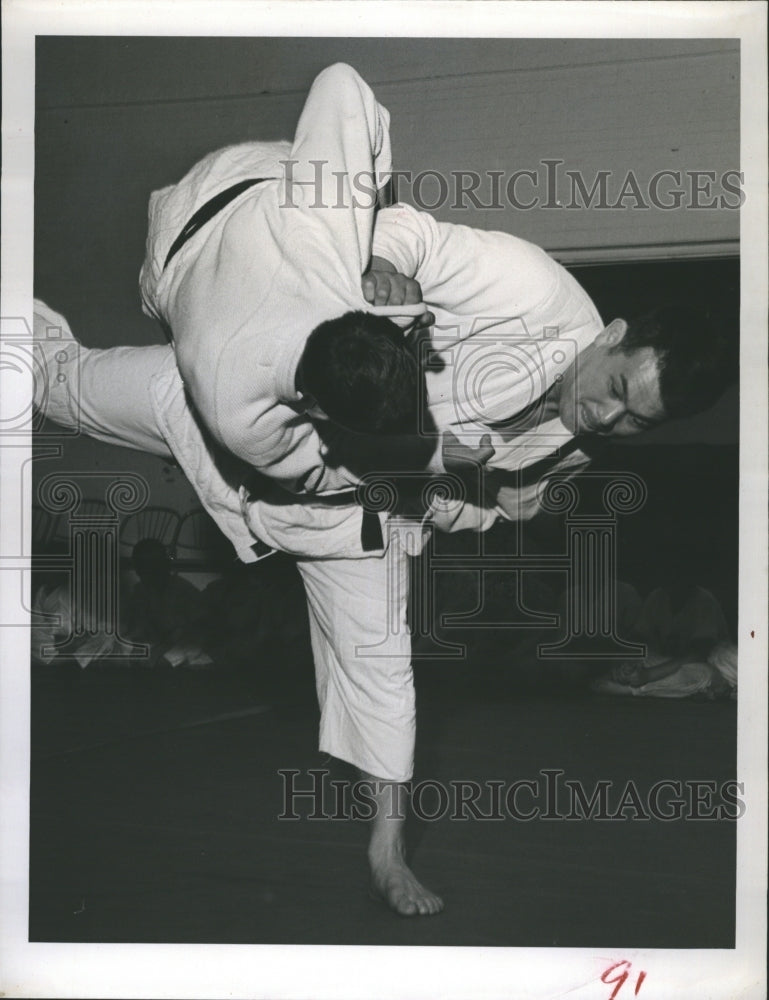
(695, 362)
(150, 551)
(362, 373)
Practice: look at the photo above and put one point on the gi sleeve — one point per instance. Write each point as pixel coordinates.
(469, 272)
(324, 226)
(340, 158)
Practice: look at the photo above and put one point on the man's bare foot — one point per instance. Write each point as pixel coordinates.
(393, 881)
(391, 878)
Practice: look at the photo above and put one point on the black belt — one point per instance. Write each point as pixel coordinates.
(207, 212)
(371, 538)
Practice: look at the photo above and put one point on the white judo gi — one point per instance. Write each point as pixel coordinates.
(242, 295)
(509, 321)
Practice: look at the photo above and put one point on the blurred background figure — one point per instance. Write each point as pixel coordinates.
(164, 610)
(65, 631)
(689, 650)
(256, 624)
(54, 639)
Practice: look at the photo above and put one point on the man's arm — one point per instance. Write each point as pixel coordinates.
(505, 498)
(463, 270)
(344, 129)
(299, 459)
(287, 259)
(340, 160)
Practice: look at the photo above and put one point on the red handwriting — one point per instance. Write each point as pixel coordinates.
(621, 972)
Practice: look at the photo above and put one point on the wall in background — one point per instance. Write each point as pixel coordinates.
(120, 117)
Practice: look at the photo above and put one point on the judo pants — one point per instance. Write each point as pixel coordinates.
(357, 606)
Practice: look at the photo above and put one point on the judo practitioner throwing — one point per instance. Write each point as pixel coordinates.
(290, 299)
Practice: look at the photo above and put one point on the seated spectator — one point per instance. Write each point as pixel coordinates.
(164, 610)
(689, 651)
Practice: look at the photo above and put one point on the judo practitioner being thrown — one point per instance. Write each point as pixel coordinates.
(252, 259)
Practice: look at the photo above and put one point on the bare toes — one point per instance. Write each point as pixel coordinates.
(399, 888)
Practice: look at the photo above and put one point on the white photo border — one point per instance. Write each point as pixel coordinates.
(33, 969)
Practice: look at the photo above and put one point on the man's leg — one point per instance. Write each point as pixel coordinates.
(362, 652)
(103, 393)
(367, 697)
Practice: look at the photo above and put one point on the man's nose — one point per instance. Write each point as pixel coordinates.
(610, 413)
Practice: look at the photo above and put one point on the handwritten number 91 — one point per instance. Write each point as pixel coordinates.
(619, 973)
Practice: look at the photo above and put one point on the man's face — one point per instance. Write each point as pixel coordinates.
(610, 393)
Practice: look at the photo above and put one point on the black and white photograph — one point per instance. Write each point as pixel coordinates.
(384, 462)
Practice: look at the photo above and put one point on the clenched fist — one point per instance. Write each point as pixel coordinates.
(390, 288)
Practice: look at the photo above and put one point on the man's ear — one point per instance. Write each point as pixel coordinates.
(612, 334)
